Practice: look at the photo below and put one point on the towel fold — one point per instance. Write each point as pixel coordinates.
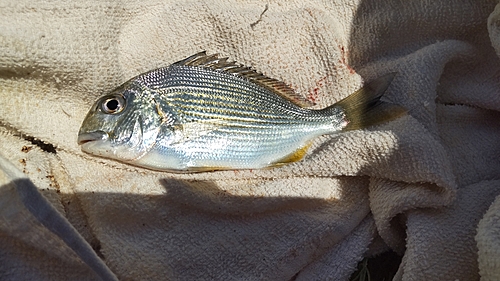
(419, 184)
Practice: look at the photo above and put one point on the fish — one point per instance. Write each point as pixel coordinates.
(206, 113)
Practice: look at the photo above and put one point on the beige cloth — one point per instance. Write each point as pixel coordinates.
(488, 243)
(421, 183)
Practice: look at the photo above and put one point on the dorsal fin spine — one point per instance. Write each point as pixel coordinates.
(201, 59)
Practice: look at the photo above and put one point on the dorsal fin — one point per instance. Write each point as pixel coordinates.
(201, 59)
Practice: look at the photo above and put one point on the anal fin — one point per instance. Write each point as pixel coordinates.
(295, 156)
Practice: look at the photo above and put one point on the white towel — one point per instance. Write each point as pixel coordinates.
(420, 183)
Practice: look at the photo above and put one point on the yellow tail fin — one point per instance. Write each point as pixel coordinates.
(364, 107)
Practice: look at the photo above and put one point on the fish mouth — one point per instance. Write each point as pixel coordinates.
(84, 138)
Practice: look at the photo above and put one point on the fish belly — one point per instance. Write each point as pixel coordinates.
(230, 149)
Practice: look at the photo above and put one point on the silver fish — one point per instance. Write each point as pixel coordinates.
(205, 113)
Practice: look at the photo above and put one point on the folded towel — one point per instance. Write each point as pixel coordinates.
(420, 183)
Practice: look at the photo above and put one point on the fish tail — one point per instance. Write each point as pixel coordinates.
(364, 108)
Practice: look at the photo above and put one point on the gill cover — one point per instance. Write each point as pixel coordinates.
(123, 125)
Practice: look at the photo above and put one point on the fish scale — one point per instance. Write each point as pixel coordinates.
(243, 128)
(209, 81)
(204, 113)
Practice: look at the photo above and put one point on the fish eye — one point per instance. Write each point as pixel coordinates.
(113, 105)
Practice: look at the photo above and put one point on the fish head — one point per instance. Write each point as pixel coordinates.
(121, 125)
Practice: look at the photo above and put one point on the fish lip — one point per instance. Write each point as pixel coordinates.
(84, 138)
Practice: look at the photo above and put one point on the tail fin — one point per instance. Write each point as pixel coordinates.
(364, 107)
